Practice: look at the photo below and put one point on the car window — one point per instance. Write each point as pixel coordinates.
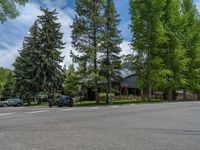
(62, 97)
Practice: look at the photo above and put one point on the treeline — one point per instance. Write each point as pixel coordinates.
(166, 45)
(165, 49)
(96, 41)
(7, 83)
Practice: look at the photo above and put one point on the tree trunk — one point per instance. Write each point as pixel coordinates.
(184, 94)
(142, 93)
(170, 94)
(38, 100)
(95, 61)
(107, 91)
(198, 95)
(174, 95)
(149, 93)
(54, 94)
(96, 92)
(165, 95)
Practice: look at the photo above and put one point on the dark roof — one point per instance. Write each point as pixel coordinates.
(127, 69)
(130, 81)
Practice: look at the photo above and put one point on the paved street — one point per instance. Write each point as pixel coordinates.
(170, 126)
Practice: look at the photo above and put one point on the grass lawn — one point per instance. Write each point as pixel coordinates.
(36, 105)
(103, 103)
(120, 102)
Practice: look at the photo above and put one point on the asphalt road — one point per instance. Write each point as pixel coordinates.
(170, 126)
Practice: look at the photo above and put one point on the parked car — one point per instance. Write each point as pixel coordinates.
(11, 102)
(1, 104)
(61, 101)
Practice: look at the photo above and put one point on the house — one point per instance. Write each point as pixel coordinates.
(129, 85)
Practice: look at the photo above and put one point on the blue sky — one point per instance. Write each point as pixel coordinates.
(13, 31)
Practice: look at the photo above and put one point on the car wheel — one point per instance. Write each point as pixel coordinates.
(50, 104)
(18, 105)
(60, 104)
(5, 105)
(71, 104)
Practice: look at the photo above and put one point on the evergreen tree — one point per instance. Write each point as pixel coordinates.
(38, 66)
(148, 37)
(87, 32)
(110, 53)
(25, 64)
(8, 9)
(49, 73)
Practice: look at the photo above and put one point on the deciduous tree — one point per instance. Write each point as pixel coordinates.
(71, 83)
(148, 37)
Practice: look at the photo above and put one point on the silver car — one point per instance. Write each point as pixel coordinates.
(11, 102)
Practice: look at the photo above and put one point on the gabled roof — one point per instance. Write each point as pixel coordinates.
(126, 69)
(130, 81)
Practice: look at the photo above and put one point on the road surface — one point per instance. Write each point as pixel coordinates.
(168, 126)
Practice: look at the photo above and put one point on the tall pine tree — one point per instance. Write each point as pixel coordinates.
(25, 64)
(49, 73)
(110, 53)
(87, 32)
(38, 68)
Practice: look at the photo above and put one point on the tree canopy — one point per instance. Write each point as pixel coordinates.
(166, 45)
(38, 67)
(8, 9)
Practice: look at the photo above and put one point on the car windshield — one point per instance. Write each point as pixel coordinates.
(63, 97)
(9, 100)
(13, 100)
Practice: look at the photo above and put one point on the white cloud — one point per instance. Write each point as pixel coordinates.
(198, 4)
(14, 31)
(8, 57)
(125, 46)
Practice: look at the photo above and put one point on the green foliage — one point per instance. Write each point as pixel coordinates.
(166, 44)
(174, 52)
(8, 87)
(8, 9)
(71, 83)
(148, 37)
(191, 43)
(26, 84)
(87, 32)
(49, 71)
(38, 66)
(4, 74)
(110, 49)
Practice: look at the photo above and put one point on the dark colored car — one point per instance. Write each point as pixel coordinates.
(1, 104)
(61, 101)
(11, 102)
